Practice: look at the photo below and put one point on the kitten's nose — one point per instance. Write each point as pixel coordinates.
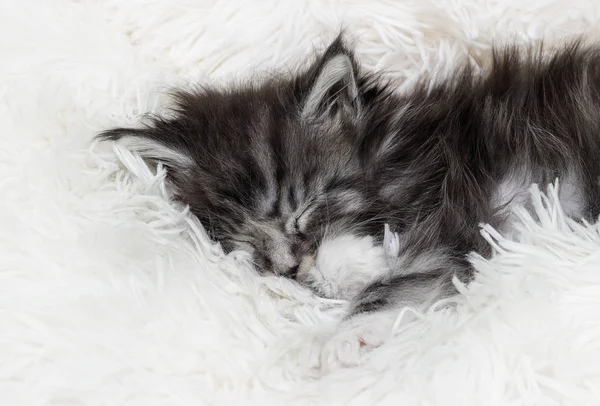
(288, 268)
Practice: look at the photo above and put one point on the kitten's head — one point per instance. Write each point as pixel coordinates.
(271, 168)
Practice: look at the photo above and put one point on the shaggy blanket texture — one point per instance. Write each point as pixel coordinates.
(112, 295)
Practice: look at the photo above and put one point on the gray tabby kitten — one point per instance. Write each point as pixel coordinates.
(333, 157)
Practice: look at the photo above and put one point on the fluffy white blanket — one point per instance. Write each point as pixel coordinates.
(111, 295)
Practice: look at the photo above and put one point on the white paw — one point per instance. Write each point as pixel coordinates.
(351, 344)
(347, 349)
(344, 265)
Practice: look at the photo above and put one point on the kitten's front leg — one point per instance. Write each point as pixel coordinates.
(419, 281)
(344, 265)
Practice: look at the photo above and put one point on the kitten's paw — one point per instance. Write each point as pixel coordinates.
(343, 266)
(351, 344)
(347, 349)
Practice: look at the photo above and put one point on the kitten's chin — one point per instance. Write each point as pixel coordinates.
(343, 266)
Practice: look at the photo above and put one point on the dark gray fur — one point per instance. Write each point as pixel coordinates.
(275, 167)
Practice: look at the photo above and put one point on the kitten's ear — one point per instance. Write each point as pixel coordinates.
(333, 86)
(167, 149)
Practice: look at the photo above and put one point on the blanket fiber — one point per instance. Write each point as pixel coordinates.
(112, 295)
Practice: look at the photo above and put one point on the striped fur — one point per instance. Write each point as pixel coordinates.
(279, 167)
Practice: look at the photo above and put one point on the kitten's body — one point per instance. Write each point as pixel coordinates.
(297, 165)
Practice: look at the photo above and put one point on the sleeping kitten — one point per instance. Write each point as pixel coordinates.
(333, 160)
